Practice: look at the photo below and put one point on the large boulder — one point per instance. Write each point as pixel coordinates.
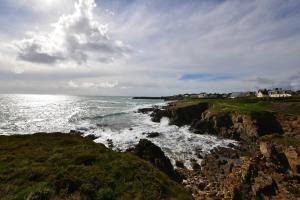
(146, 150)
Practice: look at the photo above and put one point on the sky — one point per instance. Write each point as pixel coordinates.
(148, 48)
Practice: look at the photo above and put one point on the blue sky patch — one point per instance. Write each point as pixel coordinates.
(205, 77)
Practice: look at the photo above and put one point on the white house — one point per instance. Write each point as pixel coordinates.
(262, 93)
(202, 95)
(278, 92)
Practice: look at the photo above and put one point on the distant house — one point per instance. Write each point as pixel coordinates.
(202, 95)
(275, 93)
(278, 92)
(262, 93)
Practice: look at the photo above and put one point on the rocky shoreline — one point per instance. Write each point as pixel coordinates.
(264, 165)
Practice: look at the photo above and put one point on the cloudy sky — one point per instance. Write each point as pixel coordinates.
(142, 47)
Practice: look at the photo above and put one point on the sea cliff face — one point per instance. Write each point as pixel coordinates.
(265, 165)
(233, 125)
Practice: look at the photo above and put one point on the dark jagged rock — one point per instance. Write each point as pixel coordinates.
(179, 164)
(76, 132)
(151, 134)
(152, 153)
(91, 137)
(180, 115)
(158, 114)
(110, 143)
(145, 110)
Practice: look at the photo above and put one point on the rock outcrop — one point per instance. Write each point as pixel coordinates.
(180, 115)
(256, 169)
(146, 150)
(233, 125)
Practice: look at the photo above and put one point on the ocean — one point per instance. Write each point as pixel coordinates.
(111, 119)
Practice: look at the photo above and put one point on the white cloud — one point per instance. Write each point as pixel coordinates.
(42, 6)
(71, 84)
(255, 42)
(108, 85)
(90, 85)
(77, 37)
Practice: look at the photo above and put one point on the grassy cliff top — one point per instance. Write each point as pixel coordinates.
(289, 106)
(63, 166)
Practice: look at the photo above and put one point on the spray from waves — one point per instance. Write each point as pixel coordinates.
(177, 142)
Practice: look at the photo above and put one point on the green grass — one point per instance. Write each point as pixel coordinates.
(63, 166)
(286, 106)
(281, 139)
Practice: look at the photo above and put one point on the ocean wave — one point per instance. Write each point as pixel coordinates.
(178, 143)
(104, 116)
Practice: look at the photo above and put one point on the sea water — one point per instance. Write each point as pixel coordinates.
(112, 119)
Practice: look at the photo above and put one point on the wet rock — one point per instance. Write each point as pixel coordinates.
(146, 150)
(110, 143)
(76, 132)
(180, 115)
(82, 129)
(179, 164)
(130, 149)
(91, 137)
(145, 110)
(231, 145)
(158, 114)
(200, 155)
(195, 165)
(152, 134)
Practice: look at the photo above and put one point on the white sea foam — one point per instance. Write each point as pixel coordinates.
(178, 143)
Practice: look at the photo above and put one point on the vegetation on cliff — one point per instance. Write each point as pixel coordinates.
(65, 166)
(289, 106)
